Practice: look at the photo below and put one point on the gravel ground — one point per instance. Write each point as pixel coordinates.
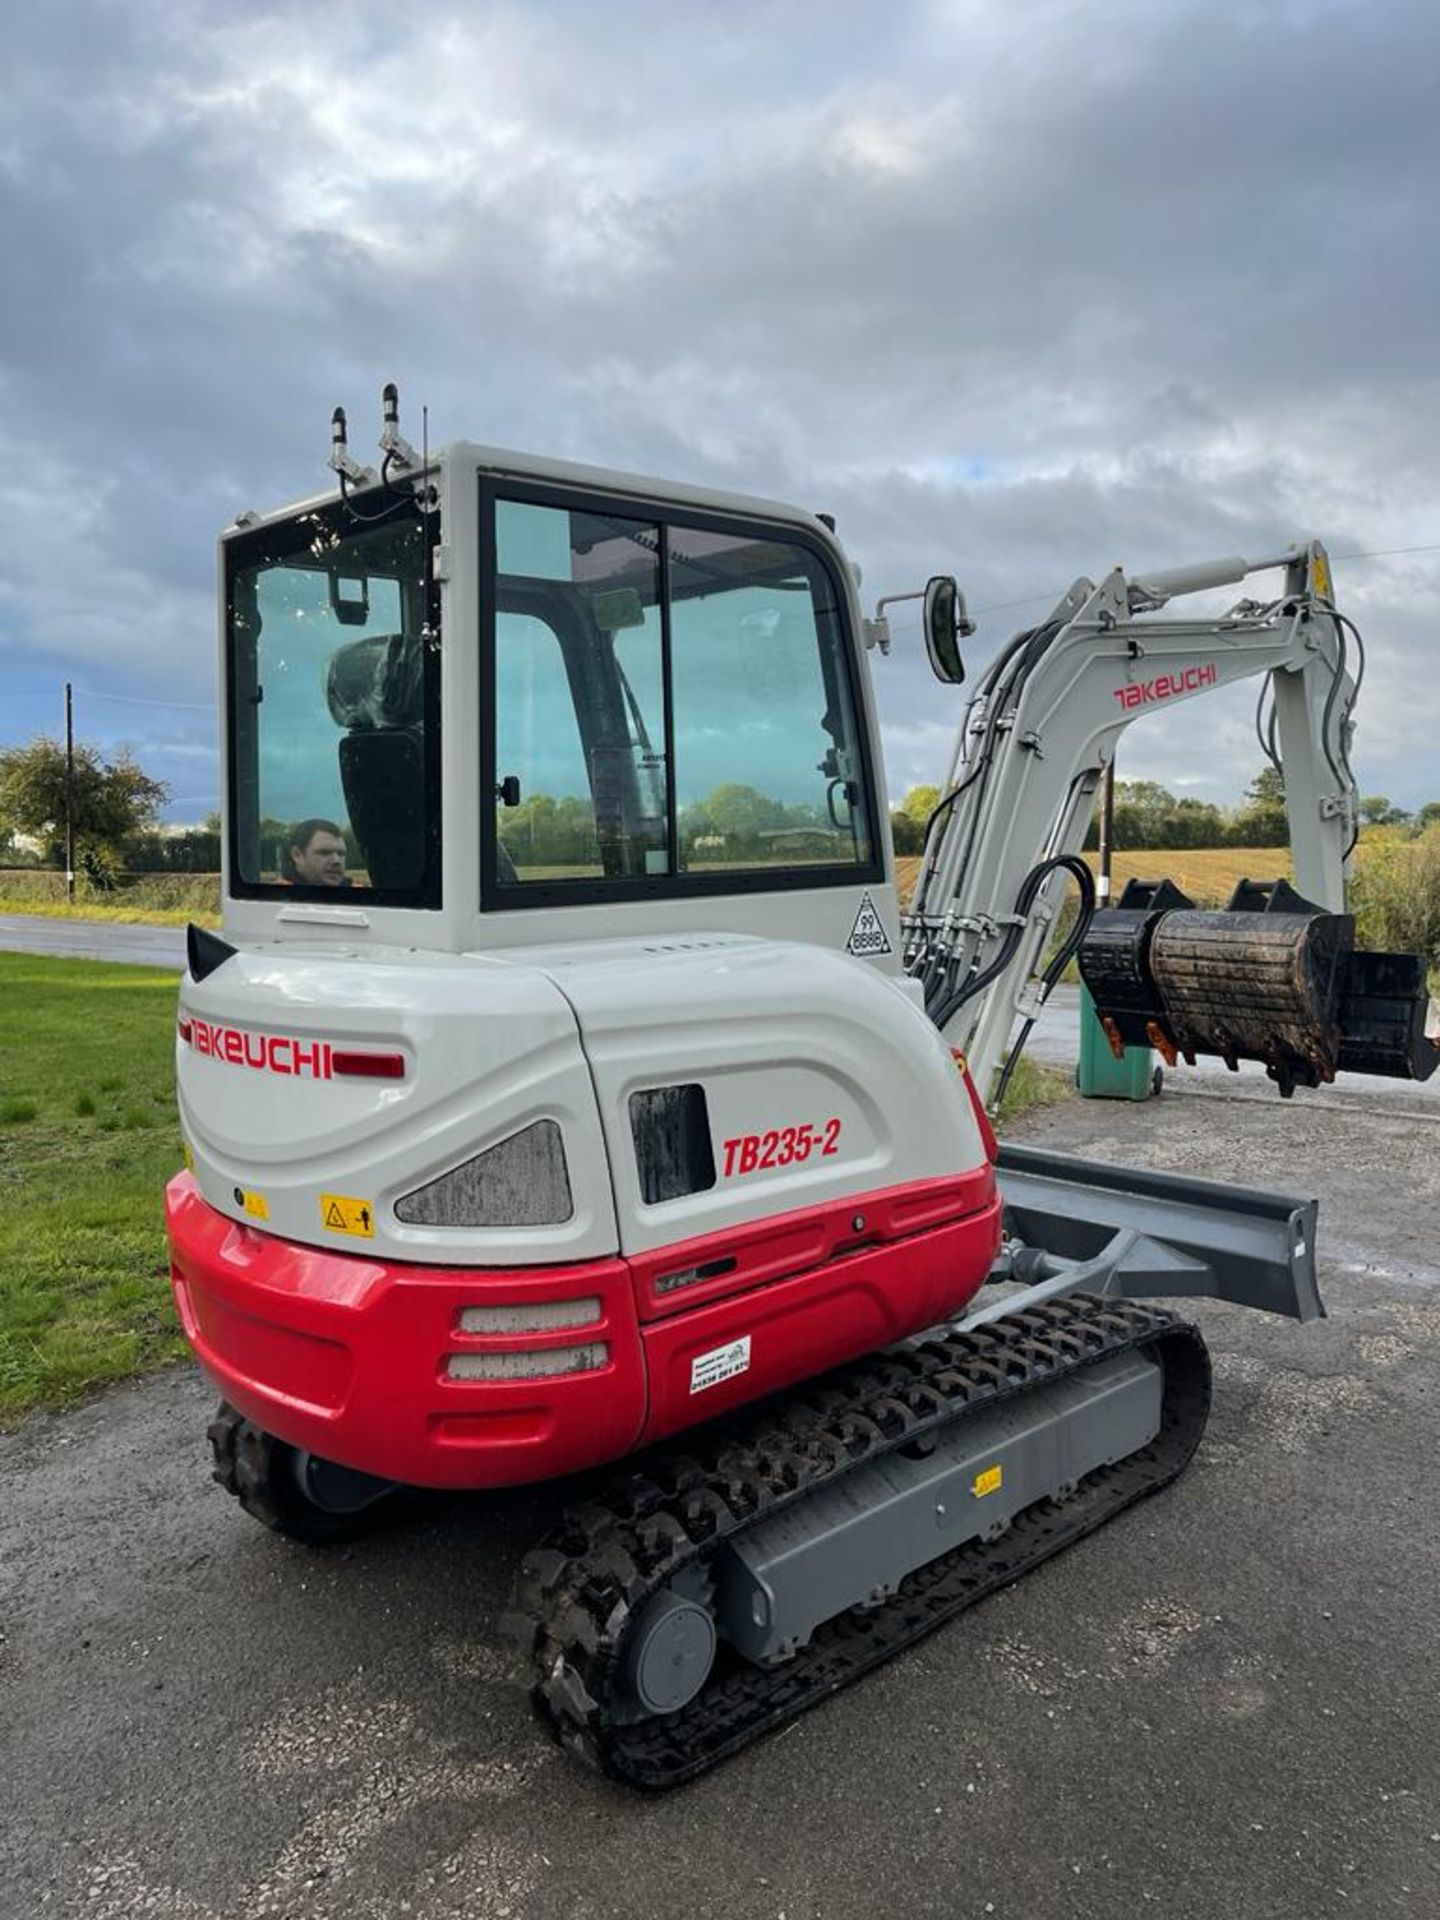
(1227, 1703)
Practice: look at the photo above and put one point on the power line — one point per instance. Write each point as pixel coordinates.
(993, 606)
(1384, 553)
(1373, 553)
(138, 700)
(1001, 606)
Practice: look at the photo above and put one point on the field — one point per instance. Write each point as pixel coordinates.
(88, 1138)
(1207, 874)
(162, 899)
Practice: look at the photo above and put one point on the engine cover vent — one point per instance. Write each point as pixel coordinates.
(671, 1130)
(521, 1182)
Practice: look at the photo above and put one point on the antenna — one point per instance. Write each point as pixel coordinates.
(397, 450)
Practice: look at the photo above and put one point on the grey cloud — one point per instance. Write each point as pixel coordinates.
(1020, 291)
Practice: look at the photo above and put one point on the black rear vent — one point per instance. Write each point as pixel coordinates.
(204, 952)
(671, 1127)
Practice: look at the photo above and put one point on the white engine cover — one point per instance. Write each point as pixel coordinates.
(489, 1048)
(781, 1036)
(821, 1078)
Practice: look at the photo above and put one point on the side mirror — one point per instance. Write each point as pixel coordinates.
(946, 622)
(349, 609)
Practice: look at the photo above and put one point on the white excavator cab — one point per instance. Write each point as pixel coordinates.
(559, 981)
(520, 690)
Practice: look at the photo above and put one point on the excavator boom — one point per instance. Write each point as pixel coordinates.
(1275, 977)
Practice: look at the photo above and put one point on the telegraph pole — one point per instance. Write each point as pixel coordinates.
(1107, 832)
(69, 793)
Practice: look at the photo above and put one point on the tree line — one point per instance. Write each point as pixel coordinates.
(735, 820)
(117, 807)
(1148, 815)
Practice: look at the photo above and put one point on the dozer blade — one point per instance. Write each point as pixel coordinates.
(1271, 978)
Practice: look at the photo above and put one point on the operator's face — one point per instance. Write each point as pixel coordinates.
(321, 863)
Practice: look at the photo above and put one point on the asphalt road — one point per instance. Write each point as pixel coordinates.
(93, 939)
(1226, 1704)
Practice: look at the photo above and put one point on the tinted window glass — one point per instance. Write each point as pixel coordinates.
(579, 698)
(668, 699)
(766, 761)
(331, 698)
(548, 832)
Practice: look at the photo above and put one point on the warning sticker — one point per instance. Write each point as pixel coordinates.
(339, 1213)
(990, 1481)
(255, 1204)
(721, 1363)
(868, 935)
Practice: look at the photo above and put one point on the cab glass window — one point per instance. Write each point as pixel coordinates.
(548, 826)
(333, 707)
(671, 709)
(580, 785)
(767, 770)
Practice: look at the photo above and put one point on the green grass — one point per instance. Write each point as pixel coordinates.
(136, 914)
(1031, 1086)
(88, 1138)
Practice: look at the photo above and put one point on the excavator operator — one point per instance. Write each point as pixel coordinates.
(317, 856)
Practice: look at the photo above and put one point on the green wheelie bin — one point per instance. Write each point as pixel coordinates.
(1100, 1076)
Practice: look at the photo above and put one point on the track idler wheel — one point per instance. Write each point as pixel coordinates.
(669, 1654)
(289, 1490)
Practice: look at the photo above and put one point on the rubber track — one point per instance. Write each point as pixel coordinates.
(243, 1464)
(256, 1468)
(582, 1588)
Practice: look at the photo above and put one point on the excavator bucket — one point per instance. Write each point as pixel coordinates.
(1272, 977)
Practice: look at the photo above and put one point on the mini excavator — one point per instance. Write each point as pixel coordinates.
(590, 1109)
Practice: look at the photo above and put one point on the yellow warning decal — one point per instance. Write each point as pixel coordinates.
(255, 1204)
(1320, 574)
(340, 1213)
(990, 1481)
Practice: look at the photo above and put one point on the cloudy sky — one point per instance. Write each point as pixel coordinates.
(1015, 288)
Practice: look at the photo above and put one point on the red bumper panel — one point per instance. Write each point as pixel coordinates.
(416, 1373)
(679, 1278)
(352, 1358)
(721, 1355)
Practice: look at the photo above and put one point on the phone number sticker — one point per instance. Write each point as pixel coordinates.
(780, 1147)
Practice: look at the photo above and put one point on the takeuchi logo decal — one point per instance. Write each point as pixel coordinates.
(264, 1052)
(1165, 686)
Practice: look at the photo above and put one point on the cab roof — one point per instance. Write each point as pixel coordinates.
(506, 462)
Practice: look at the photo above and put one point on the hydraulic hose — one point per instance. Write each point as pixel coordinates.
(1061, 959)
(1071, 863)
